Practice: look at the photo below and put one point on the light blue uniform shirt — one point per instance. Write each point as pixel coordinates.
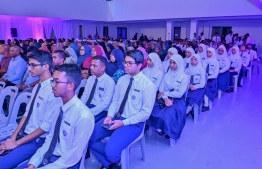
(16, 70)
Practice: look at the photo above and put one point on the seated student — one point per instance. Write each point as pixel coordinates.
(59, 57)
(85, 74)
(223, 77)
(4, 50)
(36, 123)
(154, 70)
(211, 66)
(85, 52)
(71, 56)
(142, 49)
(189, 53)
(197, 76)
(72, 125)
(99, 89)
(252, 53)
(245, 63)
(109, 48)
(16, 68)
(131, 106)
(202, 51)
(169, 112)
(235, 66)
(115, 67)
(165, 64)
(96, 51)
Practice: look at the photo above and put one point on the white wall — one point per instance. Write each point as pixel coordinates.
(81, 9)
(122, 10)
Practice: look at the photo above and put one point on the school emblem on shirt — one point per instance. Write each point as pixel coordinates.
(37, 104)
(64, 133)
(133, 97)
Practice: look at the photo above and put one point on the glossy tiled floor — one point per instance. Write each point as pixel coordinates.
(227, 137)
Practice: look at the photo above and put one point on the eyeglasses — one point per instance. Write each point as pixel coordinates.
(32, 66)
(129, 64)
(54, 82)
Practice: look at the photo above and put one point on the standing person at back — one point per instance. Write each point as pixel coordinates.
(71, 127)
(16, 68)
(36, 123)
(131, 106)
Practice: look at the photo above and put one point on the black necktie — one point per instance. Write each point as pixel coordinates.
(207, 69)
(54, 140)
(21, 132)
(122, 106)
(92, 93)
(187, 65)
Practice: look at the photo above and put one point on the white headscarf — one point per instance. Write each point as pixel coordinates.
(192, 70)
(224, 55)
(203, 54)
(213, 58)
(175, 75)
(166, 61)
(235, 56)
(188, 59)
(72, 56)
(151, 71)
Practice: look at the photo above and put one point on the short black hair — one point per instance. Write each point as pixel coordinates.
(42, 57)
(31, 49)
(61, 54)
(137, 55)
(101, 58)
(73, 73)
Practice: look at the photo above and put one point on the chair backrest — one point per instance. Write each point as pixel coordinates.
(2, 86)
(22, 98)
(82, 84)
(8, 91)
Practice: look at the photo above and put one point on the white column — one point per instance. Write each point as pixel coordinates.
(169, 30)
(193, 29)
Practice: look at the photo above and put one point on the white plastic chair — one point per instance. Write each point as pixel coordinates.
(10, 91)
(2, 86)
(125, 152)
(219, 94)
(11, 122)
(235, 82)
(82, 84)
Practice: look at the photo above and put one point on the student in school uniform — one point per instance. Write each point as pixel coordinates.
(85, 52)
(59, 57)
(197, 81)
(16, 68)
(72, 125)
(211, 66)
(189, 53)
(99, 89)
(202, 51)
(36, 123)
(169, 112)
(165, 64)
(246, 61)
(223, 78)
(154, 70)
(235, 66)
(131, 106)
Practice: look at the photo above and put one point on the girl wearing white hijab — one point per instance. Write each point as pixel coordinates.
(71, 55)
(197, 76)
(202, 51)
(171, 51)
(169, 113)
(211, 66)
(224, 65)
(189, 53)
(154, 69)
(236, 64)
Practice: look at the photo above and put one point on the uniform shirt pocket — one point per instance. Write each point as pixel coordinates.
(66, 130)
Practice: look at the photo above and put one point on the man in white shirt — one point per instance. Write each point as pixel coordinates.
(245, 63)
(36, 122)
(229, 37)
(99, 89)
(131, 106)
(16, 68)
(72, 125)
(216, 38)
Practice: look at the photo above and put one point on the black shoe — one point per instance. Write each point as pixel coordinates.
(167, 137)
(161, 133)
(239, 85)
(115, 166)
(205, 109)
(229, 90)
(87, 154)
